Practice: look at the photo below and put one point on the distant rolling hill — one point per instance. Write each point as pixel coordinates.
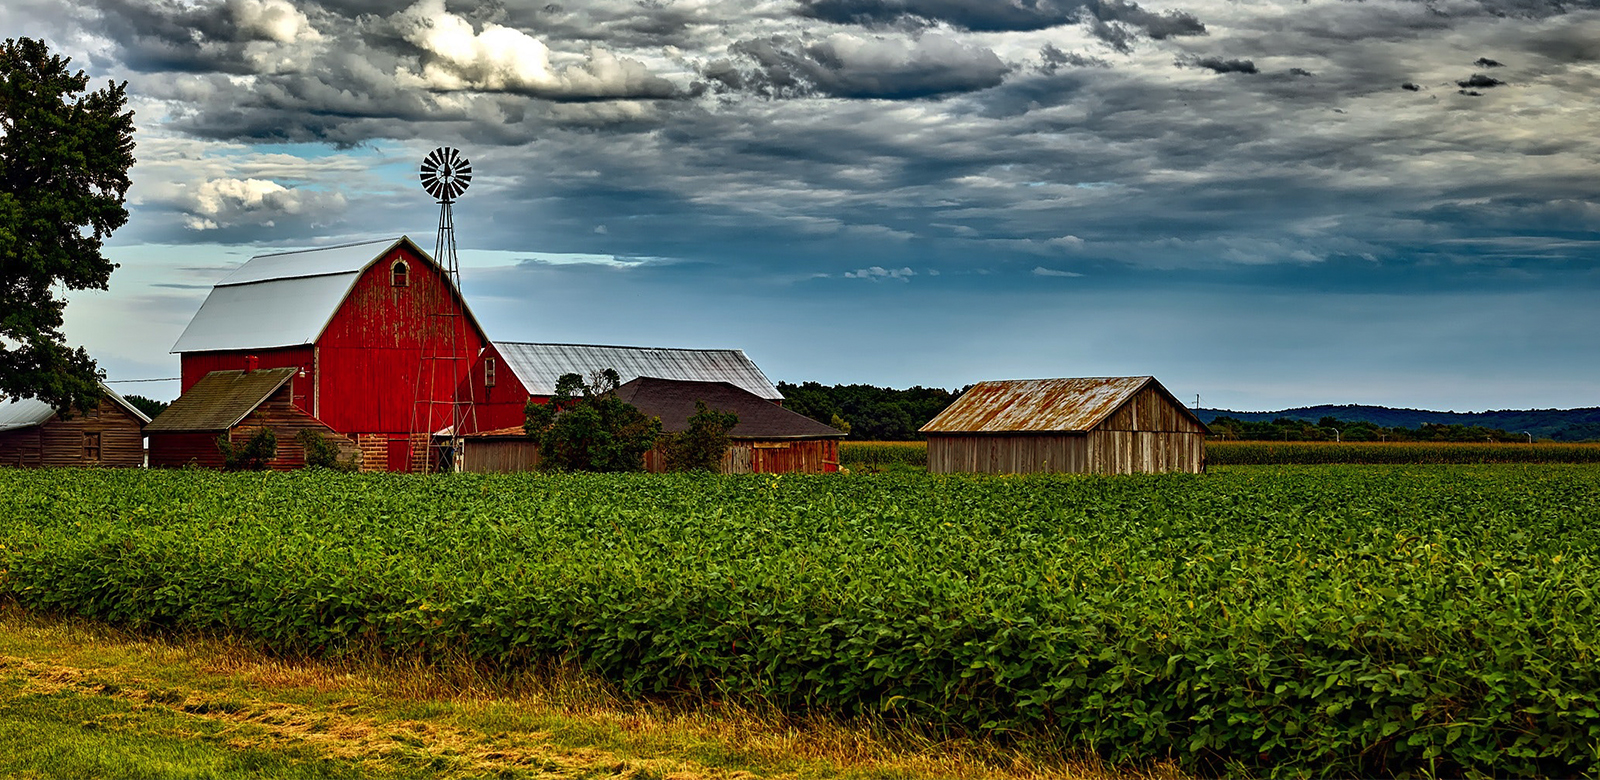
(1558, 424)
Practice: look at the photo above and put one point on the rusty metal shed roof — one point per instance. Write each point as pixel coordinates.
(674, 402)
(19, 413)
(220, 400)
(538, 366)
(286, 299)
(1040, 405)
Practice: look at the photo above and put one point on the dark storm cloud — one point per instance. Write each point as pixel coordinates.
(1220, 65)
(1479, 81)
(858, 67)
(164, 35)
(1485, 62)
(1053, 59)
(1116, 22)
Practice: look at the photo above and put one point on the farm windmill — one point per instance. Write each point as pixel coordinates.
(445, 173)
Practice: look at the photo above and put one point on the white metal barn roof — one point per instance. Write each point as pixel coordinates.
(17, 414)
(538, 366)
(283, 300)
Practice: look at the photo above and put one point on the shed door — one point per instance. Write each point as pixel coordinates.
(399, 453)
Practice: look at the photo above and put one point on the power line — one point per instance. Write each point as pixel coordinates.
(162, 379)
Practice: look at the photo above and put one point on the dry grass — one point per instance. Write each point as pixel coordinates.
(472, 720)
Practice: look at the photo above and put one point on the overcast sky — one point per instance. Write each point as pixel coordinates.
(1266, 203)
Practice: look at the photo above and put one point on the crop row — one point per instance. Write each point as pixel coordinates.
(1257, 453)
(1339, 620)
(883, 453)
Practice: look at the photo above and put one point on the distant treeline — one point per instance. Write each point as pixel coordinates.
(873, 413)
(1564, 425)
(1333, 428)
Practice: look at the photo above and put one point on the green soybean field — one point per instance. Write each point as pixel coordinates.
(1327, 620)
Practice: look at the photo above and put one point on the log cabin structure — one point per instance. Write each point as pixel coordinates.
(34, 434)
(235, 405)
(1098, 425)
(510, 374)
(380, 342)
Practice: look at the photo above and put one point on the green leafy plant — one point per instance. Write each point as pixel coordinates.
(321, 453)
(702, 446)
(586, 427)
(1371, 621)
(255, 454)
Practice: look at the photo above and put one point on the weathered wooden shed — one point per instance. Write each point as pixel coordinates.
(510, 373)
(33, 433)
(1096, 425)
(236, 404)
(768, 438)
(382, 340)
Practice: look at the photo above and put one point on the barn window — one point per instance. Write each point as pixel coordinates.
(398, 274)
(91, 446)
(488, 372)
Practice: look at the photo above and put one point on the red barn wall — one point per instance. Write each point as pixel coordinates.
(371, 354)
(176, 450)
(501, 406)
(197, 364)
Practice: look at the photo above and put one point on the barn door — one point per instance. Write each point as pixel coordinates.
(399, 453)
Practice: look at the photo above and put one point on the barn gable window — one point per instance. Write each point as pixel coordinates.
(488, 372)
(399, 274)
(91, 446)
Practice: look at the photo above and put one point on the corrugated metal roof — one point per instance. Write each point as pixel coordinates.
(343, 259)
(278, 313)
(674, 401)
(220, 400)
(1036, 405)
(287, 299)
(17, 414)
(26, 413)
(538, 366)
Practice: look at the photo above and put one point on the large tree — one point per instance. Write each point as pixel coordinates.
(64, 159)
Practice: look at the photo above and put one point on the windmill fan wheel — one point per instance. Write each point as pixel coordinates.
(446, 173)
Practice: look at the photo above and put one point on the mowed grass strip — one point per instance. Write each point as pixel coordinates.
(79, 699)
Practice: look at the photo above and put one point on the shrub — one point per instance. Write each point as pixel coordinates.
(705, 443)
(254, 455)
(321, 453)
(586, 427)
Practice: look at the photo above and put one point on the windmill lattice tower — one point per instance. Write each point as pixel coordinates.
(445, 175)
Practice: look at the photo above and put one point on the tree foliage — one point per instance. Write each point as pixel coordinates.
(64, 160)
(586, 427)
(150, 406)
(702, 446)
(253, 455)
(866, 412)
(321, 453)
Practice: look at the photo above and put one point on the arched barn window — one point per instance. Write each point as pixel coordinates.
(398, 274)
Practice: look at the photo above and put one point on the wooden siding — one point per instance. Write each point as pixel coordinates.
(1020, 453)
(176, 450)
(61, 442)
(373, 350)
(1148, 433)
(499, 456)
(1150, 410)
(792, 456)
(285, 419)
(806, 456)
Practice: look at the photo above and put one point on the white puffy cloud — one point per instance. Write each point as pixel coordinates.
(217, 203)
(457, 56)
(272, 20)
(878, 273)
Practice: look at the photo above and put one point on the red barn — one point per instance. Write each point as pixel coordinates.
(381, 339)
